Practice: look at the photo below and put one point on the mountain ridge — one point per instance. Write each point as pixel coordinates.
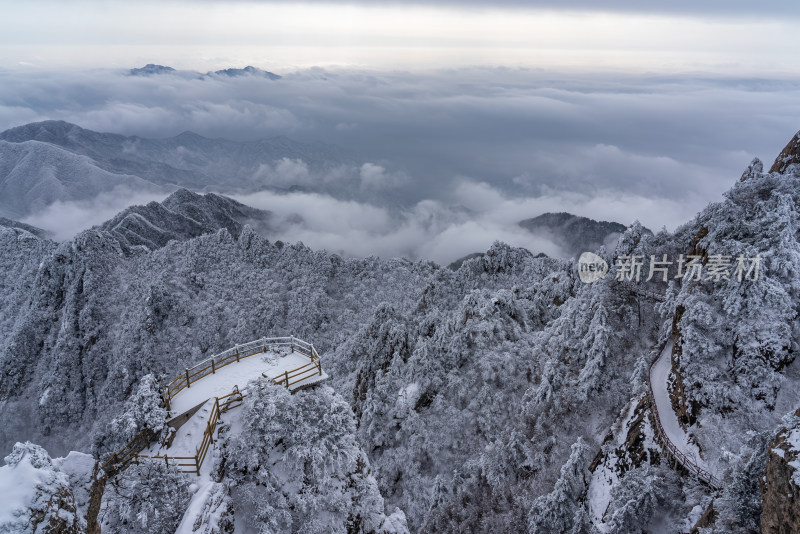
(152, 69)
(186, 160)
(574, 233)
(181, 216)
(35, 174)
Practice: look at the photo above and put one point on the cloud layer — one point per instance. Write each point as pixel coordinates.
(720, 7)
(477, 216)
(470, 151)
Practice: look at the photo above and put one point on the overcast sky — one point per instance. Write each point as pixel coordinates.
(721, 36)
(622, 110)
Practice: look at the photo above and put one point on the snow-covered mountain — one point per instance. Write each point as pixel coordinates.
(181, 216)
(34, 174)
(8, 223)
(505, 395)
(247, 71)
(154, 70)
(151, 69)
(54, 160)
(573, 233)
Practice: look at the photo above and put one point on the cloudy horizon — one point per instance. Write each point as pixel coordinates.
(621, 113)
(740, 38)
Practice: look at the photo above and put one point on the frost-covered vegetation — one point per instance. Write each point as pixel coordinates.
(504, 396)
(296, 466)
(149, 497)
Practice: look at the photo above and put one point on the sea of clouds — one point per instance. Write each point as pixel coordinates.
(442, 162)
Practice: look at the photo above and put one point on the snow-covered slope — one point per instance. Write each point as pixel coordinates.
(34, 174)
(181, 216)
(55, 160)
(506, 395)
(8, 223)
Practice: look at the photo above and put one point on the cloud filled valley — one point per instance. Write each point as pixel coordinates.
(427, 165)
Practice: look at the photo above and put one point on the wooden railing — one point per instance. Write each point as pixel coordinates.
(192, 464)
(237, 353)
(121, 459)
(128, 454)
(689, 464)
(290, 378)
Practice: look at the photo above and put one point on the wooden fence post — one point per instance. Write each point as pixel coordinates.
(187, 377)
(291, 345)
(287, 379)
(237, 353)
(213, 367)
(315, 359)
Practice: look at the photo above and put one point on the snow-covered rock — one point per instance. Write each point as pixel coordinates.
(39, 494)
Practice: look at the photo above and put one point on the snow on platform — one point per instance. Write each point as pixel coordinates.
(201, 396)
(188, 437)
(669, 420)
(239, 374)
(203, 507)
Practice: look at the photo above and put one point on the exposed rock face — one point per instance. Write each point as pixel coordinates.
(635, 450)
(706, 520)
(686, 416)
(95, 501)
(789, 156)
(780, 487)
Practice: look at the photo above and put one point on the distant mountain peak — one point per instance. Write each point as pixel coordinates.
(45, 131)
(247, 71)
(187, 135)
(151, 69)
(182, 215)
(574, 234)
